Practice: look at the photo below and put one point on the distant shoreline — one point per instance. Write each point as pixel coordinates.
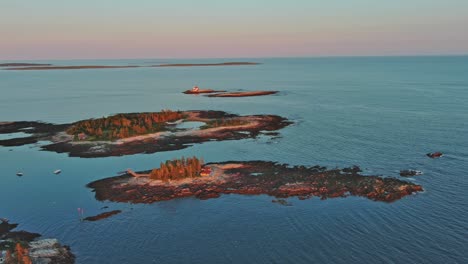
(206, 64)
(33, 66)
(15, 64)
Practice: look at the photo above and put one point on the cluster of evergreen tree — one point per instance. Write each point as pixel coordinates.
(20, 255)
(124, 125)
(178, 169)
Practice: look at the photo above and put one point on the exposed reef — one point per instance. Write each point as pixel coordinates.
(102, 215)
(254, 178)
(242, 94)
(126, 134)
(410, 173)
(21, 247)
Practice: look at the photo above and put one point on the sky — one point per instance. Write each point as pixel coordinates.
(112, 29)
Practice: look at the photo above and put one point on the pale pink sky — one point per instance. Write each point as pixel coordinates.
(57, 29)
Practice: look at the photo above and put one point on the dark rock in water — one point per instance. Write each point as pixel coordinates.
(21, 236)
(281, 202)
(102, 215)
(354, 170)
(5, 227)
(435, 155)
(410, 173)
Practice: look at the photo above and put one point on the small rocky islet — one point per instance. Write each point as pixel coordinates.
(101, 216)
(191, 178)
(410, 173)
(22, 247)
(223, 93)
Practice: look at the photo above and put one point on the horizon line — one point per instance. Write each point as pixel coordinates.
(260, 57)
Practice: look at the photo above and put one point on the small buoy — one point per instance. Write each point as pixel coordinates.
(19, 173)
(57, 171)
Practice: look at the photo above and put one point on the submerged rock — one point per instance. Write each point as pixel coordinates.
(281, 202)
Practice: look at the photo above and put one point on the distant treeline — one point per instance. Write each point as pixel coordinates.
(123, 125)
(178, 169)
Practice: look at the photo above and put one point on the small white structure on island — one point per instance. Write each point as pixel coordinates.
(82, 136)
(195, 89)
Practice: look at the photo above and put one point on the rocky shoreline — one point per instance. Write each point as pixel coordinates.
(243, 94)
(254, 178)
(203, 91)
(24, 247)
(219, 126)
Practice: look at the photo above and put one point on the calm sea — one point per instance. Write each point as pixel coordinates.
(381, 113)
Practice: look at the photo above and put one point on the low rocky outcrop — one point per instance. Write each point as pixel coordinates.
(23, 247)
(102, 215)
(254, 178)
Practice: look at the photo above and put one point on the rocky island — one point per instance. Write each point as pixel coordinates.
(220, 93)
(192, 178)
(132, 133)
(242, 94)
(202, 91)
(21, 247)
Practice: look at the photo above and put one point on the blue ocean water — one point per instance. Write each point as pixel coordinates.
(381, 113)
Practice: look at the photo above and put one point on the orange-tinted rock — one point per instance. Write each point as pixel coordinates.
(259, 177)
